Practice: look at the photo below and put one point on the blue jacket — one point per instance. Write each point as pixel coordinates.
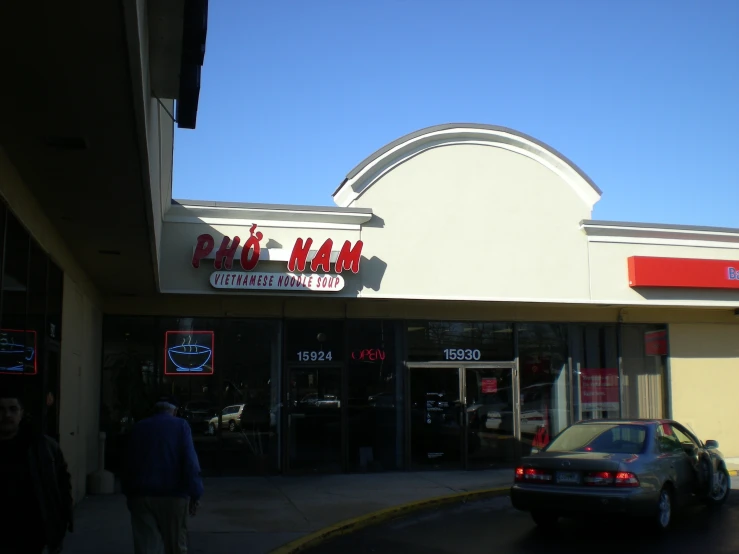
(162, 460)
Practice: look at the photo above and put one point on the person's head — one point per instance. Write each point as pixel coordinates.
(11, 414)
(166, 405)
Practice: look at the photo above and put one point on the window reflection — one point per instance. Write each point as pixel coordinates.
(545, 408)
(595, 364)
(643, 365)
(459, 341)
(373, 407)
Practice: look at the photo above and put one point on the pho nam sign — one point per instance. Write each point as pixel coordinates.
(300, 259)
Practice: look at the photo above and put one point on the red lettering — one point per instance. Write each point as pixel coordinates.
(299, 255)
(228, 279)
(202, 249)
(371, 354)
(252, 280)
(323, 257)
(259, 281)
(225, 254)
(279, 281)
(292, 281)
(349, 257)
(271, 280)
(310, 281)
(249, 262)
(238, 282)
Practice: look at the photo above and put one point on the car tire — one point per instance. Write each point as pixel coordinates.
(665, 509)
(232, 426)
(720, 494)
(545, 520)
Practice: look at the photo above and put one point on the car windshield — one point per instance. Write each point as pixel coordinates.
(607, 438)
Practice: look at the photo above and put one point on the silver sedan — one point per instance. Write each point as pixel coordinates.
(643, 468)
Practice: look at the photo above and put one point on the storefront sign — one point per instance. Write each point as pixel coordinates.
(599, 390)
(300, 259)
(489, 385)
(655, 343)
(683, 273)
(188, 352)
(241, 280)
(18, 352)
(369, 355)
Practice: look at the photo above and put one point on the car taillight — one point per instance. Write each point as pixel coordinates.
(611, 479)
(531, 474)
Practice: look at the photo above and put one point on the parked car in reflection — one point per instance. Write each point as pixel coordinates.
(230, 419)
(643, 468)
(198, 414)
(317, 400)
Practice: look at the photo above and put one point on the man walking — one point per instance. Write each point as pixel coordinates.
(35, 486)
(162, 481)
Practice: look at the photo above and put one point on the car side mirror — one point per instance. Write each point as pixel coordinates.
(711, 444)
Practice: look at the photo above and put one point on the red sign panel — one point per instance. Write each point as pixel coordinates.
(599, 389)
(489, 385)
(683, 273)
(655, 343)
(188, 352)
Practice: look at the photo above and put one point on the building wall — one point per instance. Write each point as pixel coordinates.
(81, 329)
(609, 274)
(475, 222)
(704, 370)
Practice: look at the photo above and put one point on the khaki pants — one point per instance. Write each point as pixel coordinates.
(159, 524)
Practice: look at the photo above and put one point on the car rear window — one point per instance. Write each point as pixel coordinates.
(608, 438)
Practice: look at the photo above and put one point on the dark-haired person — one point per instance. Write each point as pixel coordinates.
(162, 481)
(35, 487)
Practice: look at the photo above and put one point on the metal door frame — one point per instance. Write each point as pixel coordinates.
(461, 369)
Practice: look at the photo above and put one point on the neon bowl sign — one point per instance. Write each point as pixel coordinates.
(189, 357)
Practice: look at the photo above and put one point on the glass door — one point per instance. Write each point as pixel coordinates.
(490, 415)
(314, 419)
(436, 418)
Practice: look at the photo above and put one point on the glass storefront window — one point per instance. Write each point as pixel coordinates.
(130, 380)
(189, 371)
(643, 363)
(544, 376)
(595, 386)
(447, 341)
(315, 341)
(374, 401)
(249, 367)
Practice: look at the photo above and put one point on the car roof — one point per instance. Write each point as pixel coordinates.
(626, 421)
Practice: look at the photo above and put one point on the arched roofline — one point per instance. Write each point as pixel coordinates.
(372, 168)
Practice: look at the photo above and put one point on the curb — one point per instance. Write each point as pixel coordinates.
(380, 516)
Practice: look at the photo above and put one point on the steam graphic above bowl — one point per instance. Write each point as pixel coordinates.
(188, 356)
(13, 356)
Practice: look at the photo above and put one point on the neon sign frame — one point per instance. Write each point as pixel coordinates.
(182, 356)
(34, 354)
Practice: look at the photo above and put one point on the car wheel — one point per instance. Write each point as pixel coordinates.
(232, 426)
(546, 520)
(720, 488)
(664, 508)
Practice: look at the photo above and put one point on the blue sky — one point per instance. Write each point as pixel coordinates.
(643, 95)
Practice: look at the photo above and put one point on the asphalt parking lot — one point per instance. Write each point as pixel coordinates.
(493, 526)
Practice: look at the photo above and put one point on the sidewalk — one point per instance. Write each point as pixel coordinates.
(258, 514)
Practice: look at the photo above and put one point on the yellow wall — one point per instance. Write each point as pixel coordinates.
(705, 378)
(81, 333)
